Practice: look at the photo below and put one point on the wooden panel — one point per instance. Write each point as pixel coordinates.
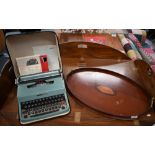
(90, 50)
(109, 40)
(2, 41)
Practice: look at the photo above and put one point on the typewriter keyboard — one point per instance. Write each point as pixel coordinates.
(43, 106)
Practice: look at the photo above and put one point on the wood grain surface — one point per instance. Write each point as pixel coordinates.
(2, 40)
(108, 92)
(111, 41)
(81, 114)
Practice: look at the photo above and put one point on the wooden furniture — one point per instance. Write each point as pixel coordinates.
(6, 71)
(79, 57)
(2, 41)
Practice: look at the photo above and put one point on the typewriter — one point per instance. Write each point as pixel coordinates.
(37, 65)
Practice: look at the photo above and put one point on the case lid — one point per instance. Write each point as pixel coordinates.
(25, 46)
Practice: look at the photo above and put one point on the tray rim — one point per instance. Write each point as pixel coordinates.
(92, 69)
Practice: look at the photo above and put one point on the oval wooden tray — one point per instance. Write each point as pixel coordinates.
(108, 92)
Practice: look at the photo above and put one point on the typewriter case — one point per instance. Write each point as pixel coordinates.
(20, 44)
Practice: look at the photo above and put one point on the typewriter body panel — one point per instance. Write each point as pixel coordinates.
(41, 95)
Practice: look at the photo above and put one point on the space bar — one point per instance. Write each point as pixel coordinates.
(45, 113)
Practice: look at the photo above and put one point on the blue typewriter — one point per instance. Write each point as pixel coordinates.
(37, 65)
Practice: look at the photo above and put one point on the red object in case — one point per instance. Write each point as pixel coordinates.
(101, 39)
(44, 63)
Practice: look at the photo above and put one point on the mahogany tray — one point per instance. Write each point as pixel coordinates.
(108, 92)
